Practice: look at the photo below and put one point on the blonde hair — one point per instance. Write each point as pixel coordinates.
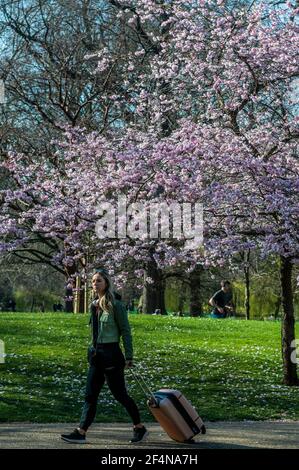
(107, 300)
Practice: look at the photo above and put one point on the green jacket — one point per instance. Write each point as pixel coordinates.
(109, 327)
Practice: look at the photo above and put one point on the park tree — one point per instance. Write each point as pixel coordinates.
(48, 63)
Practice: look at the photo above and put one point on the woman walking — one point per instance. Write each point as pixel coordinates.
(109, 322)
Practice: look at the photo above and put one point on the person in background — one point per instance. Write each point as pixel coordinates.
(222, 301)
(11, 305)
(109, 322)
(69, 296)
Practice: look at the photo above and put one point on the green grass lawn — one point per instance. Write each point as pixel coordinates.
(229, 369)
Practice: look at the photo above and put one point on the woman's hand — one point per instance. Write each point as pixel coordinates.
(129, 364)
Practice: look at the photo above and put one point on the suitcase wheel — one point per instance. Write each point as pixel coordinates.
(203, 430)
(152, 403)
(190, 441)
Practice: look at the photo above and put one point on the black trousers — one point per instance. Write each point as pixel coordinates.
(108, 365)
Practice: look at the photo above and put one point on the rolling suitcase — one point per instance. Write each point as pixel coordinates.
(174, 412)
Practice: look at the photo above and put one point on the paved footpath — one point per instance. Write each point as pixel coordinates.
(220, 435)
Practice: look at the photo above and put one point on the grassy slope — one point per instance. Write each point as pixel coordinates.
(230, 370)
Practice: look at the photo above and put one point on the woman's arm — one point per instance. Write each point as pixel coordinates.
(122, 321)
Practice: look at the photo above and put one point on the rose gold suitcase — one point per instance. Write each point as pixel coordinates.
(174, 413)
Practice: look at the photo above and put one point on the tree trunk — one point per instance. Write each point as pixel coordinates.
(154, 293)
(182, 299)
(77, 305)
(76, 295)
(69, 292)
(82, 297)
(69, 303)
(79, 298)
(86, 297)
(277, 307)
(247, 284)
(195, 301)
(288, 322)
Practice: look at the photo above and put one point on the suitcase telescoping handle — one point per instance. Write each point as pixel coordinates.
(144, 386)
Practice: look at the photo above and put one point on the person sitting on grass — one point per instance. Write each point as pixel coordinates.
(109, 321)
(222, 301)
